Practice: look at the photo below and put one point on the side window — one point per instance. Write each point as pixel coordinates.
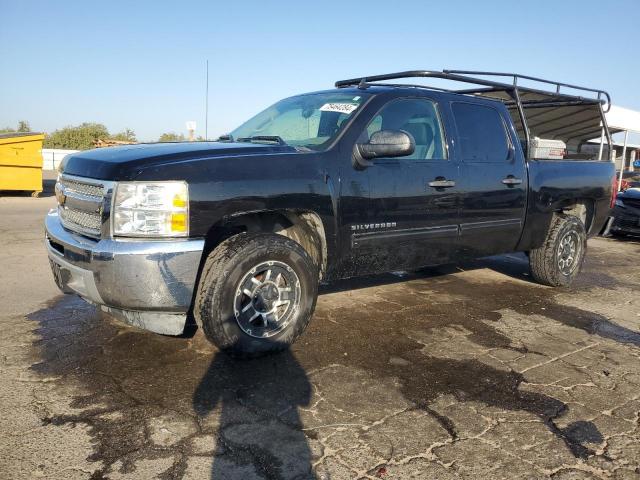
(481, 133)
(374, 126)
(419, 118)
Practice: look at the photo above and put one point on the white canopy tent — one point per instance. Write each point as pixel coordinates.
(620, 120)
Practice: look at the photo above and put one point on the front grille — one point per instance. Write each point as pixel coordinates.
(88, 189)
(82, 219)
(80, 205)
(631, 202)
(626, 222)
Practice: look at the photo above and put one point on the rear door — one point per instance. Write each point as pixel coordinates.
(493, 180)
(412, 218)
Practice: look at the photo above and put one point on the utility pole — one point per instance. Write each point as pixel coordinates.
(206, 106)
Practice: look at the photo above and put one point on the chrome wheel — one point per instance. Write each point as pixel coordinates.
(266, 299)
(569, 251)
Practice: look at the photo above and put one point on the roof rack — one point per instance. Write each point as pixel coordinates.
(513, 94)
(465, 76)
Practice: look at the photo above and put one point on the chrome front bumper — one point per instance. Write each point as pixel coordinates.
(148, 284)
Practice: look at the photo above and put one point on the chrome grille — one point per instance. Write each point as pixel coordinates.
(83, 188)
(80, 204)
(85, 220)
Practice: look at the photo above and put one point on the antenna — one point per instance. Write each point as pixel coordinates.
(206, 106)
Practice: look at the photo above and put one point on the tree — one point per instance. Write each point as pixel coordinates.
(81, 137)
(127, 135)
(171, 137)
(23, 127)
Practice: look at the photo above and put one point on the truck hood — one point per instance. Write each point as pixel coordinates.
(630, 193)
(125, 162)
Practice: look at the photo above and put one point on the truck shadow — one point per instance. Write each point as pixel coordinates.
(256, 404)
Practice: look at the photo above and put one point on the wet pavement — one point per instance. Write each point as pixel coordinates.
(457, 372)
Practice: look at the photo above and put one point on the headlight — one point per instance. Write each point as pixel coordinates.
(153, 209)
(619, 202)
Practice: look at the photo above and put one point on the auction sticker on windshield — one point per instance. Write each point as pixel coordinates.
(339, 107)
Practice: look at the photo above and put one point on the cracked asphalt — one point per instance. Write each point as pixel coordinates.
(459, 372)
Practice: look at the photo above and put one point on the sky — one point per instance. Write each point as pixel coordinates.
(141, 64)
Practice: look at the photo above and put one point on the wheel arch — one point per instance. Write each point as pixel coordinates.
(303, 226)
(582, 208)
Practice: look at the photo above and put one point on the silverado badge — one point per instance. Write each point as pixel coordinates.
(372, 226)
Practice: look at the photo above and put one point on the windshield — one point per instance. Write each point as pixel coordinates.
(309, 121)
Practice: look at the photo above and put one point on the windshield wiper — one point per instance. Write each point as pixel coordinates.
(263, 138)
(227, 137)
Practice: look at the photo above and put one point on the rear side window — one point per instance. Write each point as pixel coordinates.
(481, 133)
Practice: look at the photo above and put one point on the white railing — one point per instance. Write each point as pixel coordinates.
(51, 157)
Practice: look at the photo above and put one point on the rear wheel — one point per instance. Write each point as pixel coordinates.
(256, 294)
(559, 260)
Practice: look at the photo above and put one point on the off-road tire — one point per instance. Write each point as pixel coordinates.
(226, 266)
(544, 261)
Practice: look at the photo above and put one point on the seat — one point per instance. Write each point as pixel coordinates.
(422, 133)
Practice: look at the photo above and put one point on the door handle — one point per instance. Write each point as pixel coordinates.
(441, 182)
(511, 180)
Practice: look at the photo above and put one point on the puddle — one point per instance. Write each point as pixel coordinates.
(130, 379)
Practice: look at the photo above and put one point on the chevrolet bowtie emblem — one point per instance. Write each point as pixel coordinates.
(60, 195)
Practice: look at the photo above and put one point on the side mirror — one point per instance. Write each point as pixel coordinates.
(382, 144)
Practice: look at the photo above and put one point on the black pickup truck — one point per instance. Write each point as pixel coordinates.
(368, 177)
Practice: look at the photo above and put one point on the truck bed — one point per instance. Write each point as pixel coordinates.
(554, 184)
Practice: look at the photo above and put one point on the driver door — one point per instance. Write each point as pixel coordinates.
(412, 215)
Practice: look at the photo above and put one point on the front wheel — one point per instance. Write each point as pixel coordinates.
(256, 295)
(559, 260)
